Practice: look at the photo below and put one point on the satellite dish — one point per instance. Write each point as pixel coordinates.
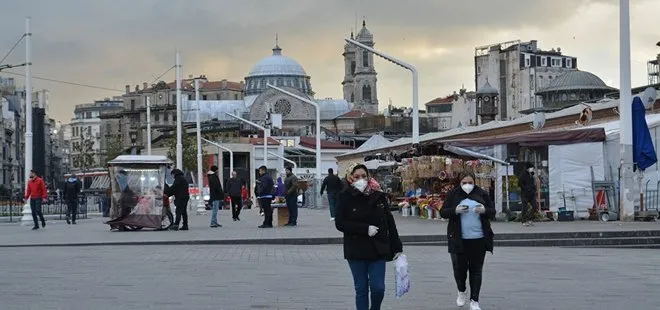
(648, 97)
(539, 120)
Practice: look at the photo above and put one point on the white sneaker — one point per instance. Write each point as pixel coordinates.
(332, 219)
(474, 305)
(462, 299)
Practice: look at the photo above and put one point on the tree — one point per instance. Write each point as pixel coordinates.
(113, 148)
(189, 146)
(84, 152)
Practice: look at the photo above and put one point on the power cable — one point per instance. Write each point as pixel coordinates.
(65, 82)
(12, 48)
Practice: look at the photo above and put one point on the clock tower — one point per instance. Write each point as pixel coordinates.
(487, 104)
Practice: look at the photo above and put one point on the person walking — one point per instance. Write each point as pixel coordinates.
(234, 190)
(216, 194)
(291, 196)
(469, 210)
(71, 191)
(264, 192)
(179, 190)
(37, 194)
(333, 185)
(370, 236)
(527, 185)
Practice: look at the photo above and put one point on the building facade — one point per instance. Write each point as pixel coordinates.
(517, 70)
(360, 82)
(453, 111)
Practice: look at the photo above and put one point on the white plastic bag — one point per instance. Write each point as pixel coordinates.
(401, 276)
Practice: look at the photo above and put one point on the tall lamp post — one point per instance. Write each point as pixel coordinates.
(266, 134)
(27, 213)
(231, 154)
(318, 132)
(148, 124)
(179, 143)
(415, 85)
(626, 190)
(200, 203)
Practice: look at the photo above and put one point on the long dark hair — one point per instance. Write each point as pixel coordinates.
(358, 167)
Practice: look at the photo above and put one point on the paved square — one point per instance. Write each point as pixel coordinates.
(314, 277)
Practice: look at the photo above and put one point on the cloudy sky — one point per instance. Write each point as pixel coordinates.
(113, 43)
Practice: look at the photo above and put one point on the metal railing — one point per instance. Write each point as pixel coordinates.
(652, 195)
(11, 209)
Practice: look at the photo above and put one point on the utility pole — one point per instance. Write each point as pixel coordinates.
(626, 182)
(179, 143)
(27, 213)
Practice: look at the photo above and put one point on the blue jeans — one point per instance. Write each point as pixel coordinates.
(368, 276)
(214, 213)
(332, 201)
(292, 204)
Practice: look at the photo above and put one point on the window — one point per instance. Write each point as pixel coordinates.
(280, 82)
(569, 63)
(353, 67)
(166, 116)
(365, 59)
(527, 62)
(132, 104)
(88, 115)
(544, 61)
(89, 130)
(204, 97)
(235, 96)
(352, 97)
(174, 99)
(366, 93)
(157, 117)
(217, 96)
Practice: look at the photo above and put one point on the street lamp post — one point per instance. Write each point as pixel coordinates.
(200, 181)
(179, 143)
(266, 134)
(27, 213)
(627, 193)
(231, 154)
(295, 166)
(415, 86)
(317, 184)
(148, 125)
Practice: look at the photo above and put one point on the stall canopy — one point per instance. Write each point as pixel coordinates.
(560, 137)
(140, 159)
(376, 163)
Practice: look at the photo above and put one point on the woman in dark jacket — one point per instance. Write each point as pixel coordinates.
(469, 210)
(370, 236)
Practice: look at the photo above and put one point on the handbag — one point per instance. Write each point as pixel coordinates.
(384, 247)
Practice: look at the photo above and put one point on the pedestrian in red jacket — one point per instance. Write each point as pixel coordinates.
(37, 193)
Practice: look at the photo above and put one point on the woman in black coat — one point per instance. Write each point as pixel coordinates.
(370, 236)
(469, 210)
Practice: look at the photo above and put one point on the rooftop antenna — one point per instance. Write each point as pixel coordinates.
(277, 39)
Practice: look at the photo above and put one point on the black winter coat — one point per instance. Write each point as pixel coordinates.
(355, 213)
(179, 189)
(454, 234)
(215, 187)
(234, 187)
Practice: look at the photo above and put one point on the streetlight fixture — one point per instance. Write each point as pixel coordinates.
(317, 183)
(295, 166)
(231, 154)
(415, 85)
(266, 134)
(200, 203)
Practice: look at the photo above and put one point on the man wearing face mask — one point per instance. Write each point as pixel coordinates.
(528, 195)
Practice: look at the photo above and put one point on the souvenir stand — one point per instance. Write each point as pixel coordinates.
(428, 179)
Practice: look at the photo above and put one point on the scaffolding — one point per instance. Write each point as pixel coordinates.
(653, 69)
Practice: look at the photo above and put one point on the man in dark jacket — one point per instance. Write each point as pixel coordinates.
(291, 196)
(71, 190)
(216, 194)
(234, 190)
(527, 185)
(333, 184)
(264, 192)
(179, 190)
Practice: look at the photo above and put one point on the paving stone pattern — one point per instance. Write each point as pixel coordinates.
(314, 277)
(312, 224)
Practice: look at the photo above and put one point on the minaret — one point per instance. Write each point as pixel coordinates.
(365, 81)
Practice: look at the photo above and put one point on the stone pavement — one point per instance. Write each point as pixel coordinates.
(235, 277)
(314, 227)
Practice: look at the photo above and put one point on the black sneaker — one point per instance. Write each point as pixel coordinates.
(43, 224)
(265, 226)
(68, 221)
(174, 228)
(184, 228)
(35, 227)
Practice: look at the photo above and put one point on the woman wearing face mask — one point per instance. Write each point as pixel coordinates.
(370, 236)
(469, 210)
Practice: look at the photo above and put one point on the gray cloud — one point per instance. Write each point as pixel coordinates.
(112, 43)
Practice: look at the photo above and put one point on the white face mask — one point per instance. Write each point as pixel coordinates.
(467, 188)
(360, 184)
(530, 170)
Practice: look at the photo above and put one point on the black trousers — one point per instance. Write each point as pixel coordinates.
(470, 260)
(268, 211)
(181, 211)
(72, 209)
(528, 208)
(236, 206)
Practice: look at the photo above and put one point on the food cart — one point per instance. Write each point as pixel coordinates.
(137, 183)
